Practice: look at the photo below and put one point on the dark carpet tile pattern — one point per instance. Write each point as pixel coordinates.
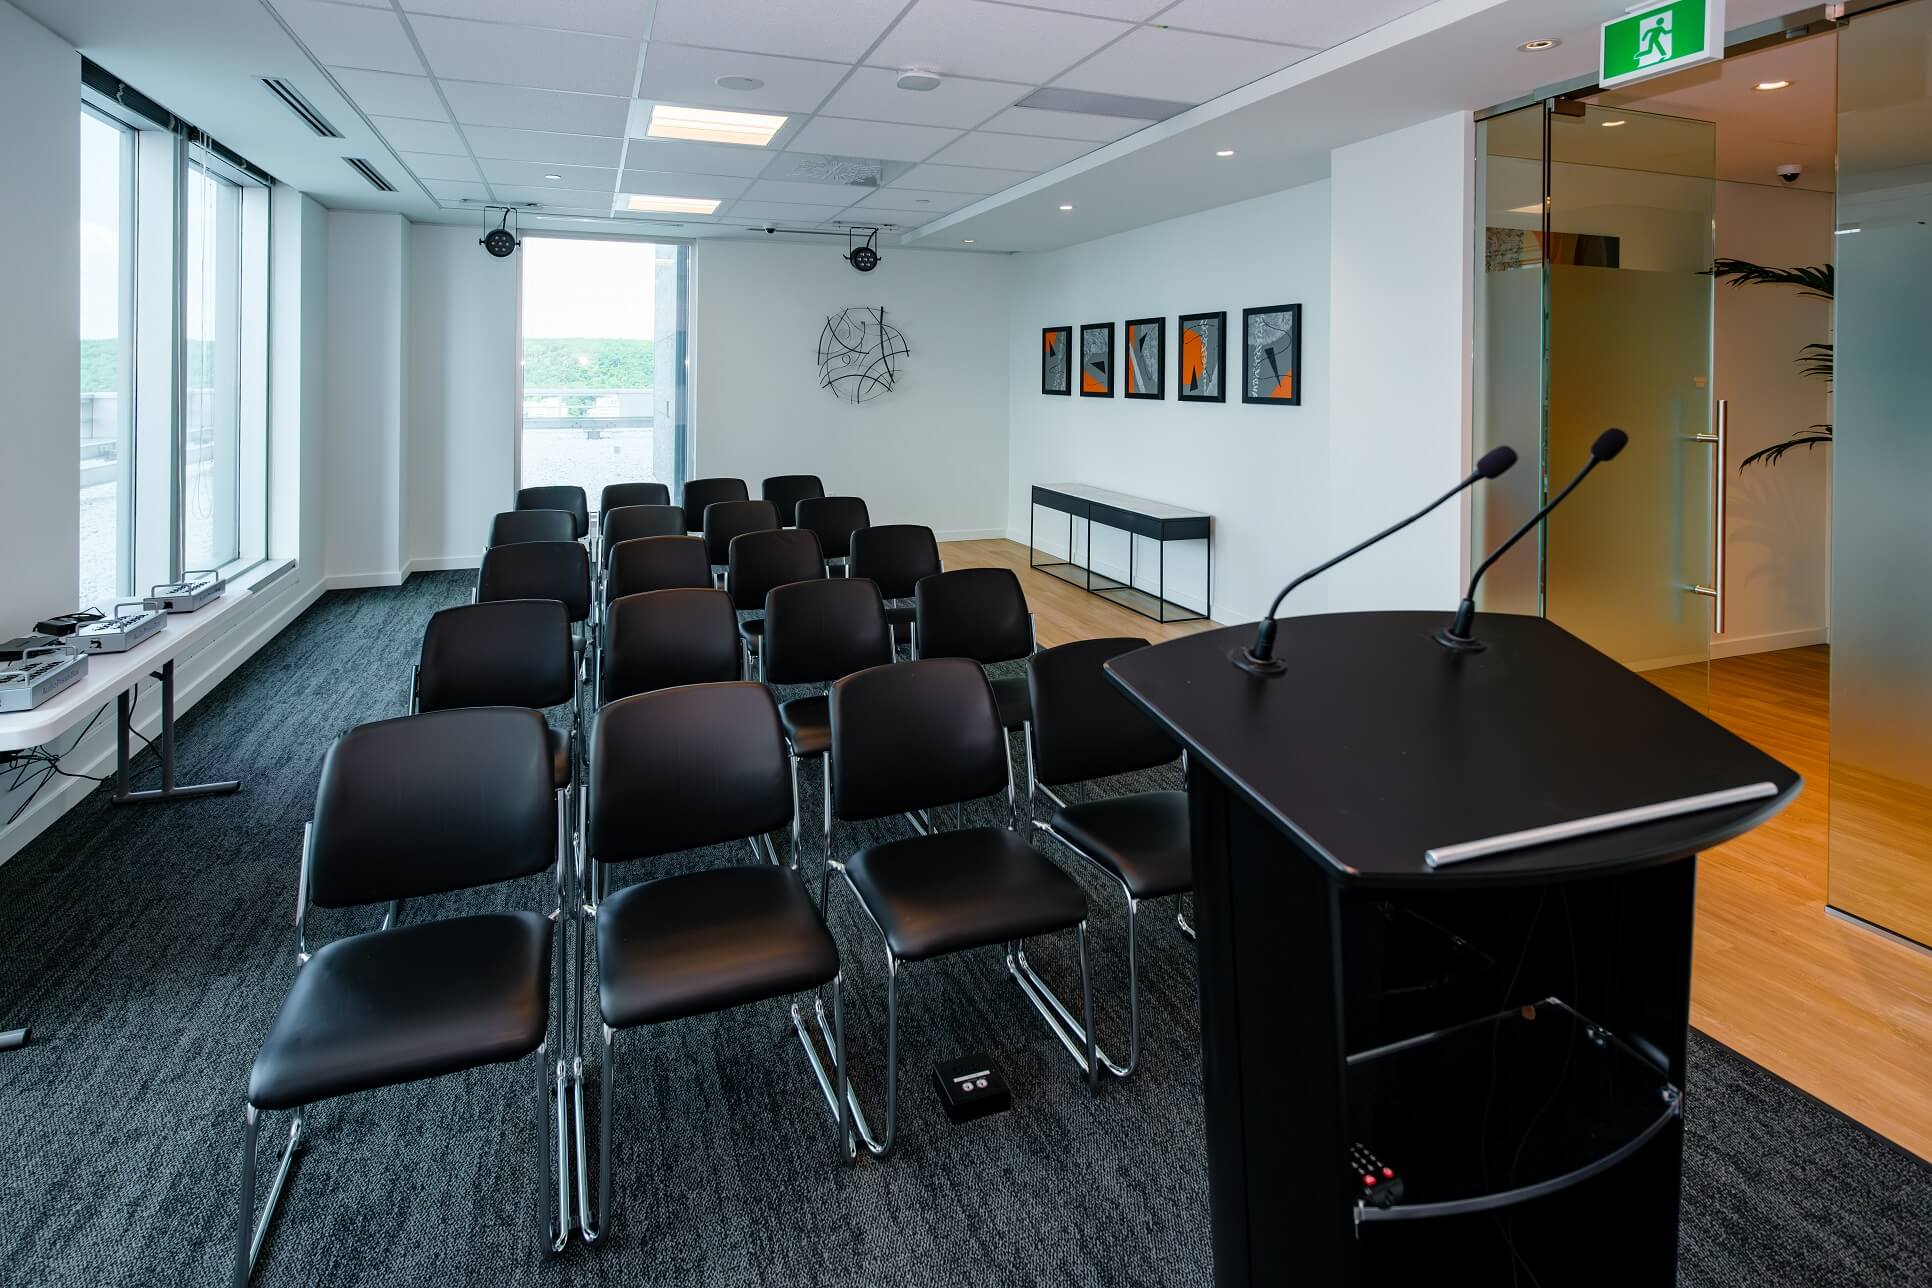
(149, 947)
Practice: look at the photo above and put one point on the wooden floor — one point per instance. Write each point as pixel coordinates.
(1836, 1008)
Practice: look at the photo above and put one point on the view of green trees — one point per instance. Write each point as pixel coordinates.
(100, 365)
(588, 364)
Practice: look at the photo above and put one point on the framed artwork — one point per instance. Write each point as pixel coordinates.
(1271, 355)
(1097, 360)
(1204, 358)
(1056, 360)
(1144, 374)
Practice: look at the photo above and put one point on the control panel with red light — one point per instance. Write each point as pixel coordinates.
(1375, 1181)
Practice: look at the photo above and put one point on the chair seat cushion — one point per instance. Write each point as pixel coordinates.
(1142, 839)
(808, 725)
(559, 759)
(954, 890)
(393, 1006)
(705, 941)
(1015, 702)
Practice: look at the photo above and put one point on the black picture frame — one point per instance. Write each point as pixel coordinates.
(1066, 360)
(1159, 325)
(1107, 370)
(1218, 365)
(1293, 311)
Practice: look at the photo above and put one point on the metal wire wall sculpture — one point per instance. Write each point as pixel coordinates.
(858, 354)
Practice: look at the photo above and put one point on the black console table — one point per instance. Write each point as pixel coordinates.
(1137, 517)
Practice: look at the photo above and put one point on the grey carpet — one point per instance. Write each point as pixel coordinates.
(149, 947)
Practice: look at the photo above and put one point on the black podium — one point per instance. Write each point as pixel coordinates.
(1504, 1035)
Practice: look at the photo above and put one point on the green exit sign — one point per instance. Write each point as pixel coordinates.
(1653, 39)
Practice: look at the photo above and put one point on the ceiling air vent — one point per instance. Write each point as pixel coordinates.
(1124, 106)
(368, 172)
(293, 100)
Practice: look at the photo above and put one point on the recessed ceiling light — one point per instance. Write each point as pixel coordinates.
(1611, 125)
(743, 84)
(966, 241)
(710, 125)
(1538, 46)
(1066, 207)
(1225, 152)
(1771, 85)
(554, 178)
(671, 205)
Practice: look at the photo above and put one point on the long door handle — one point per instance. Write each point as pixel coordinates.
(1720, 487)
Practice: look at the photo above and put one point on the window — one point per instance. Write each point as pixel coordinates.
(106, 360)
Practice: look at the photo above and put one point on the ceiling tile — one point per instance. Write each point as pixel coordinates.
(597, 199)
(387, 94)
(994, 41)
(1063, 125)
(351, 36)
(536, 109)
(541, 59)
(1011, 151)
(658, 183)
(419, 136)
(871, 94)
(1125, 10)
(805, 194)
(1315, 26)
(532, 174)
(456, 190)
(840, 31)
(682, 74)
(699, 158)
(779, 212)
(1184, 66)
(606, 17)
(913, 199)
(871, 139)
(958, 178)
(428, 165)
(539, 145)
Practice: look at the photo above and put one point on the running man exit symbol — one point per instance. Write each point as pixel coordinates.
(1658, 37)
(1653, 39)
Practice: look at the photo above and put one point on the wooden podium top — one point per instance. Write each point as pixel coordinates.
(1378, 744)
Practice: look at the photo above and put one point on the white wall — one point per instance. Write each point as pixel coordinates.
(1262, 472)
(1778, 521)
(368, 399)
(461, 431)
(934, 451)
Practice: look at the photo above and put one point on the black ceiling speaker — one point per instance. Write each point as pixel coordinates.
(865, 255)
(500, 241)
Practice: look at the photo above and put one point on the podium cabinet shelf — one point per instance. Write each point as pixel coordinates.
(1502, 1110)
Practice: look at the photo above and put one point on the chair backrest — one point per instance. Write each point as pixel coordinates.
(656, 563)
(896, 555)
(682, 768)
(817, 631)
(912, 735)
(758, 561)
(427, 804)
(513, 526)
(507, 653)
(663, 638)
(1083, 725)
(616, 496)
(699, 493)
(557, 570)
(566, 497)
(724, 520)
(834, 519)
(973, 612)
(629, 522)
(786, 490)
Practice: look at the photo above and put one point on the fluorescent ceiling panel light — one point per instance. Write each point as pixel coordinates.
(712, 125)
(671, 205)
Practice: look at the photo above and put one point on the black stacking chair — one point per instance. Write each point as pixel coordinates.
(725, 521)
(1084, 727)
(557, 570)
(616, 496)
(699, 494)
(756, 563)
(505, 653)
(834, 519)
(672, 771)
(656, 563)
(817, 632)
(630, 522)
(897, 556)
(978, 613)
(567, 497)
(416, 806)
(663, 638)
(786, 490)
(907, 738)
(513, 526)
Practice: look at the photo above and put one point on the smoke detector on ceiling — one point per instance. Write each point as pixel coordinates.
(918, 79)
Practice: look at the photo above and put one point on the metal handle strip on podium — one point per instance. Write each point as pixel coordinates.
(1444, 855)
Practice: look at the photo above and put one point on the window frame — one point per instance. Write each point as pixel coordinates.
(127, 359)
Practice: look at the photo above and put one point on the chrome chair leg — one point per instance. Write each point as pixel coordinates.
(1180, 917)
(837, 1098)
(876, 1145)
(1076, 1037)
(556, 1236)
(248, 1238)
(586, 1224)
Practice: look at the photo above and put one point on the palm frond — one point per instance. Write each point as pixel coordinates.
(1807, 438)
(1817, 280)
(1818, 360)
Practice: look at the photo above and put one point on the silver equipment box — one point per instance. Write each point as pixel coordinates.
(184, 596)
(25, 685)
(118, 634)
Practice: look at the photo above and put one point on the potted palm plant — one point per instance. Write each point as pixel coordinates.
(1816, 281)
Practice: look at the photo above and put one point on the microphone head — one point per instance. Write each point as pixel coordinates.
(1608, 444)
(1496, 461)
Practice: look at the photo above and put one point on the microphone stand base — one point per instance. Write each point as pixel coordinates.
(1456, 643)
(1253, 665)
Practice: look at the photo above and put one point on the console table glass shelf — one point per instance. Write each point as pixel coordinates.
(1137, 517)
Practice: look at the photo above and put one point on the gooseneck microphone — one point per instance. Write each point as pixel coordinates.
(1259, 657)
(1456, 635)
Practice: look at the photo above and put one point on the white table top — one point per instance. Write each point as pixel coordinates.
(111, 673)
(1123, 501)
